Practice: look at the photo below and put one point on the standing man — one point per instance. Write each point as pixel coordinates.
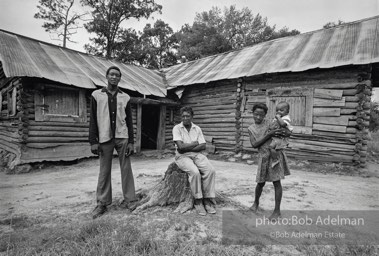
(189, 141)
(111, 127)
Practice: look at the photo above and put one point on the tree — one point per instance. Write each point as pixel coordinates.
(283, 32)
(215, 32)
(242, 28)
(128, 48)
(61, 19)
(173, 189)
(158, 45)
(199, 40)
(331, 24)
(107, 18)
(154, 47)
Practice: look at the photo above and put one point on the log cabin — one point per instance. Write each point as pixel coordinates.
(326, 76)
(44, 101)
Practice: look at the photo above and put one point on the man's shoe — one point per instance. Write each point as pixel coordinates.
(98, 211)
(128, 205)
(123, 204)
(200, 207)
(209, 206)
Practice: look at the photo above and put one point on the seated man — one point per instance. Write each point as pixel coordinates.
(189, 141)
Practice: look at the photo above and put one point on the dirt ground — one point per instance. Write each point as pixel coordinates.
(69, 189)
(58, 198)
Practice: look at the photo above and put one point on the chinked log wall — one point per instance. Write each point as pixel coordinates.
(12, 133)
(341, 112)
(214, 107)
(172, 118)
(68, 139)
(43, 135)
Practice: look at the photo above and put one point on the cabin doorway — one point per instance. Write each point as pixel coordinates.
(149, 126)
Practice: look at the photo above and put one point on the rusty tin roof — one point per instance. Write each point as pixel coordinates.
(25, 57)
(348, 44)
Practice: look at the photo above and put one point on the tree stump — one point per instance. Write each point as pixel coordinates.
(174, 188)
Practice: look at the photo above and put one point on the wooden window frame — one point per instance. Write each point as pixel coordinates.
(40, 114)
(295, 92)
(12, 102)
(10, 96)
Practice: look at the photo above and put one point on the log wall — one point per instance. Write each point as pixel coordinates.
(172, 118)
(223, 111)
(340, 113)
(48, 140)
(52, 140)
(25, 140)
(57, 140)
(12, 133)
(337, 130)
(214, 107)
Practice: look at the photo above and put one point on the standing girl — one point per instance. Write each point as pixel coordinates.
(260, 138)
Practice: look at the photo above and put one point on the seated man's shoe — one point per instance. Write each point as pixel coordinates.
(98, 211)
(200, 207)
(209, 206)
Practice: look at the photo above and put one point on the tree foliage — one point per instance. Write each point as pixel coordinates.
(128, 47)
(217, 31)
(199, 40)
(60, 18)
(331, 24)
(107, 18)
(158, 45)
(154, 47)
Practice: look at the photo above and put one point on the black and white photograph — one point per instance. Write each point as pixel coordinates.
(189, 127)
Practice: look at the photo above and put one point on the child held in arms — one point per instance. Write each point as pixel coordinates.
(281, 120)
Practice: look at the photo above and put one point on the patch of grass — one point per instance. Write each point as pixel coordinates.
(338, 250)
(364, 250)
(16, 222)
(146, 245)
(127, 234)
(159, 233)
(92, 229)
(209, 239)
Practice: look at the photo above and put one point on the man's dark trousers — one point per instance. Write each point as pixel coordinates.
(104, 186)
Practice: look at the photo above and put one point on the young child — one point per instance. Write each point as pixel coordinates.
(281, 120)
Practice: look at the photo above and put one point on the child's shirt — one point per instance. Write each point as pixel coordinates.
(280, 143)
(275, 124)
(287, 120)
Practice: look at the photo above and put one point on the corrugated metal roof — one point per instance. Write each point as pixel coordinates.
(352, 43)
(22, 56)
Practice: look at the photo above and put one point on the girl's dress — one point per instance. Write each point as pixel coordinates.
(266, 172)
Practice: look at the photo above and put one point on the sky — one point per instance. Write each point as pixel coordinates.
(304, 15)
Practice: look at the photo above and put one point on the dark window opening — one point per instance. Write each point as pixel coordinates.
(149, 126)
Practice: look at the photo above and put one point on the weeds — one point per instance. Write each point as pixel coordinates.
(119, 234)
(337, 250)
